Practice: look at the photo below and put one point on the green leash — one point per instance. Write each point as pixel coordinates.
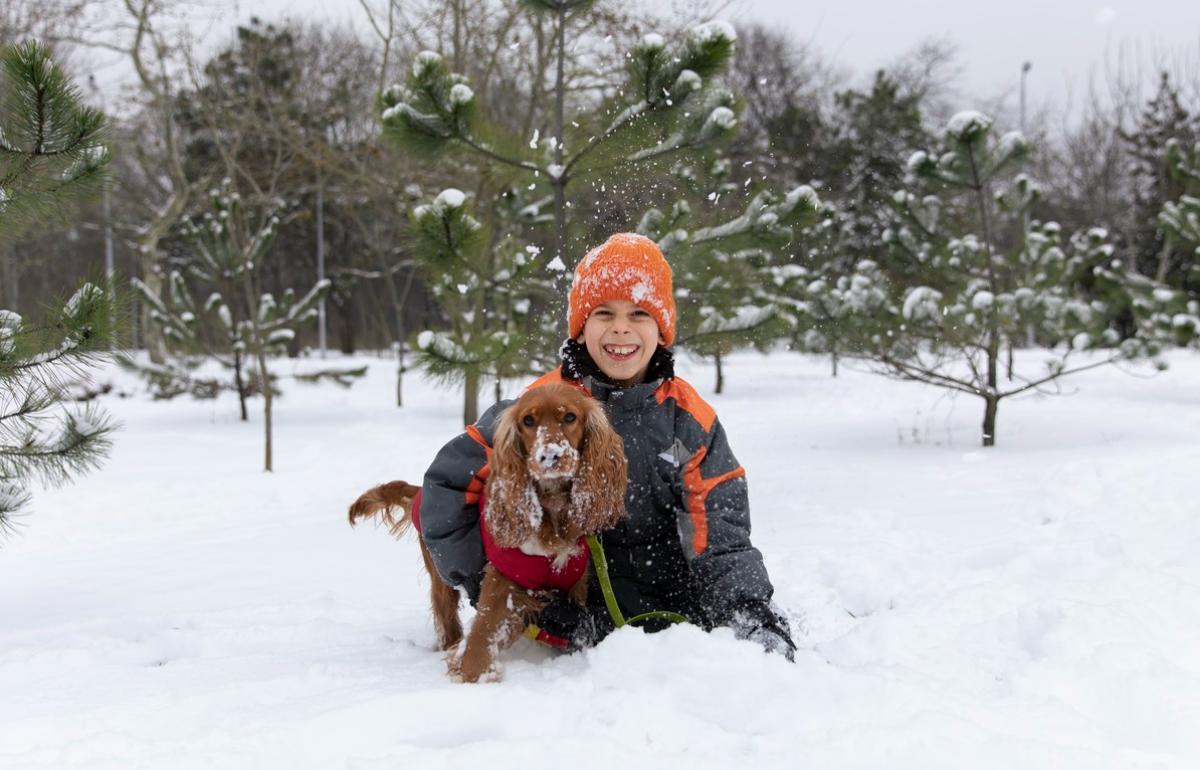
(610, 599)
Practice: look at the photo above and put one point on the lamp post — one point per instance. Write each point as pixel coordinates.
(106, 207)
(1024, 71)
(1030, 339)
(106, 202)
(321, 258)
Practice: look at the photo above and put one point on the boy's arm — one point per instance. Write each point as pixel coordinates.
(715, 526)
(450, 505)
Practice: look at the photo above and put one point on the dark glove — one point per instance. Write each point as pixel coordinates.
(581, 627)
(759, 622)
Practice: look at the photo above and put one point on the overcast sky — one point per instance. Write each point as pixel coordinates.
(1063, 39)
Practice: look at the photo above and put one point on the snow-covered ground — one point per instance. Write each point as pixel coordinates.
(1032, 606)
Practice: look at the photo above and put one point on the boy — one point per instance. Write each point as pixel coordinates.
(684, 544)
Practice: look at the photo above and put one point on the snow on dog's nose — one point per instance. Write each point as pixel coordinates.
(547, 452)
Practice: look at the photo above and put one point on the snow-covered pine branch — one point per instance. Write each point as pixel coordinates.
(766, 217)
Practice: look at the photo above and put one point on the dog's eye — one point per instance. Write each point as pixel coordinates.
(568, 417)
(528, 421)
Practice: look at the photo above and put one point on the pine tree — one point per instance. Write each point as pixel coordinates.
(1163, 121)
(876, 130)
(489, 303)
(830, 297)
(238, 325)
(1180, 220)
(963, 278)
(869, 135)
(669, 105)
(730, 249)
(51, 156)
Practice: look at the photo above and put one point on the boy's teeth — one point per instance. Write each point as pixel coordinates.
(620, 350)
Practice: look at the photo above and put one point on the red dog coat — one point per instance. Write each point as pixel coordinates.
(532, 572)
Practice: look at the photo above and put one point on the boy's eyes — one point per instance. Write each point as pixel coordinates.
(637, 313)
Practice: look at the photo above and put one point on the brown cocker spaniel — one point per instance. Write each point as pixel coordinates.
(557, 473)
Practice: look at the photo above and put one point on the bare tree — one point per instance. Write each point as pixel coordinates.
(152, 36)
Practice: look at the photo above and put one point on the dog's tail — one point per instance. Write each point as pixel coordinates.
(383, 501)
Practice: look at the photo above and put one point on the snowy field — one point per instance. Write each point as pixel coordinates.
(1032, 606)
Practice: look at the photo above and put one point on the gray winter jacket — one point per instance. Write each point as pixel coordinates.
(684, 544)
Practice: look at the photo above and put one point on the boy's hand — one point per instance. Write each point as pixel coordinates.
(760, 623)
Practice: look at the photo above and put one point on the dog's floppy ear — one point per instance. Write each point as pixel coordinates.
(598, 495)
(513, 511)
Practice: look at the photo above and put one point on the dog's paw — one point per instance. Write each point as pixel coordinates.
(466, 670)
(453, 660)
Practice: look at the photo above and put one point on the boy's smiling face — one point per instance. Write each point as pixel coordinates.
(621, 337)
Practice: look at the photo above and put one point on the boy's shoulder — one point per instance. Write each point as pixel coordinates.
(688, 399)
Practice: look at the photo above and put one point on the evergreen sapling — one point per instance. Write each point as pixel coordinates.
(963, 277)
(238, 325)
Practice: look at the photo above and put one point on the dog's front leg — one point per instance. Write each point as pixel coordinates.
(497, 622)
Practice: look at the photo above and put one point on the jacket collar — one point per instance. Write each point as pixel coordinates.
(578, 365)
(626, 398)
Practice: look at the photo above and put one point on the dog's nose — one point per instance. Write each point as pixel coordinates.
(548, 455)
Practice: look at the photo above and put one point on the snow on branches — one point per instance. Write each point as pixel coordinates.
(239, 325)
(1180, 219)
(964, 279)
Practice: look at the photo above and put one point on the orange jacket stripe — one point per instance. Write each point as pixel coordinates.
(688, 400)
(475, 488)
(474, 433)
(698, 489)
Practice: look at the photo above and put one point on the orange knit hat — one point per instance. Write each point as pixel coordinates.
(627, 266)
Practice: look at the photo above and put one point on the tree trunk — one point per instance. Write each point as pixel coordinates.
(152, 337)
(1164, 261)
(10, 278)
(471, 398)
(400, 373)
(990, 396)
(989, 420)
(163, 108)
(150, 258)
(833, 359)
(398, 302)
(458, 12)
(266, 393)
(720, 375)
(240, 382)
(348, 328)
